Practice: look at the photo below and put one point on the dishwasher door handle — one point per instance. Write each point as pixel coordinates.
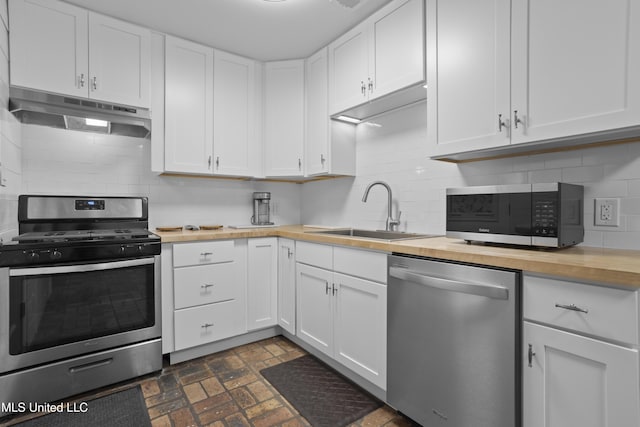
(489, 291)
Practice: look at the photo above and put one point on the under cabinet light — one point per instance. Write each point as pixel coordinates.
(97, 123)
(348, 119)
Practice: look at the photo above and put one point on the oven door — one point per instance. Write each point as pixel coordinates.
(50, 313)
(500, 213)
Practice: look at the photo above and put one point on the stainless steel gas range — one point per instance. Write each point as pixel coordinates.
(79, 297)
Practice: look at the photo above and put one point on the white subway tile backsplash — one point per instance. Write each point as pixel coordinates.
(400, 157)
(583, 174)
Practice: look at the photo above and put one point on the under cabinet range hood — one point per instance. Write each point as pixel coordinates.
(67, 112)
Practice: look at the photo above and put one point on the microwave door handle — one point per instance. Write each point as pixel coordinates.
(489, 291)
(79, 268)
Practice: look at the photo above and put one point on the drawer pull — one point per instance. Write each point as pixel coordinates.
(572, 307)
(206, 253)
(207, 286)
(206, 325)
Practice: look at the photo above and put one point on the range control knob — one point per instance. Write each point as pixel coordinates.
(140, 249)
(55, 254)
(33, 256)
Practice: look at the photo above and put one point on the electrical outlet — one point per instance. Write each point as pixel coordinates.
(607, 212)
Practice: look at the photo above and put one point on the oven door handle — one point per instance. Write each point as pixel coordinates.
(79, 268)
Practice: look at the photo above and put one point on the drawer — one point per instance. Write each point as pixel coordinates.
(360, 263)
(204, 284)
(208, 252)
(212, 322)
(315, 254)
(611, 313)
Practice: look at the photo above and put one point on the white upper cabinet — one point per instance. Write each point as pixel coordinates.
(380, 56)
(511, 72)
(284, 118)
(467, 73)
(188, 107)
(119, 58)
(60, 48)
(575, 67)
(235, 139)
(329, 145)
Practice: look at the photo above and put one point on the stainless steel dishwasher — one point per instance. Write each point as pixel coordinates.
(453, 343)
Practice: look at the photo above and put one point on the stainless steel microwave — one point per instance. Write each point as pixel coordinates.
(549, 215)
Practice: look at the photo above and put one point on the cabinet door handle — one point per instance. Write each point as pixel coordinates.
(81, 80)
(501, 123)
(326, 288)
(322, 159)
(516, 119)
(299, 164)
(205, 254)
(572, 307)
(363, 88)
(207, 286)
(209, 163)
(334, 289)
(530, 355)
(370, 85)
(218, 162)
(94, 83)
(289, 253)
(206, 325)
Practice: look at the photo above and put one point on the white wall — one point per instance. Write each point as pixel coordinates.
(10, 146)
(79, 163)
(398, 154)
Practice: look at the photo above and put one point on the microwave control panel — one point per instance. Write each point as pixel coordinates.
(545, 214)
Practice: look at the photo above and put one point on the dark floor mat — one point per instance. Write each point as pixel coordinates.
(321, 395)
(122, 409)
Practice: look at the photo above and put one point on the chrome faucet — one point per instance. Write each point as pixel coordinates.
(392, 223)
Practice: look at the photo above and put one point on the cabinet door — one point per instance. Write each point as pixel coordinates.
(317, 115)
(576, 67)
(234, 127)
(284, 118)
(119, 61)
(49, 46)
(397, 58)
(188, 107)
(467, 74)
(361, 327)
(262, 283)
(314, 316)
(287, 285)
(578, 381)
(349, 70)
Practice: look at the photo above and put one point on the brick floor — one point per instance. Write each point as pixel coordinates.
(226, 390)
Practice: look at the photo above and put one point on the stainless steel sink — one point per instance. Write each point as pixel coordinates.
(373, 234)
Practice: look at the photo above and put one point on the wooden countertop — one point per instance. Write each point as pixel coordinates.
(611, 266)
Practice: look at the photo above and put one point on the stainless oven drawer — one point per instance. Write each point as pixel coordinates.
(66, 378)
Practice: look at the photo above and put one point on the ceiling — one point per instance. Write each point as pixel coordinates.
(259, 29)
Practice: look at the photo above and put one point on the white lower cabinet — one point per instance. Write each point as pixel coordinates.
(287, 285)
(209, 292)
(262, 283)
(569, 378)
(342, 315)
